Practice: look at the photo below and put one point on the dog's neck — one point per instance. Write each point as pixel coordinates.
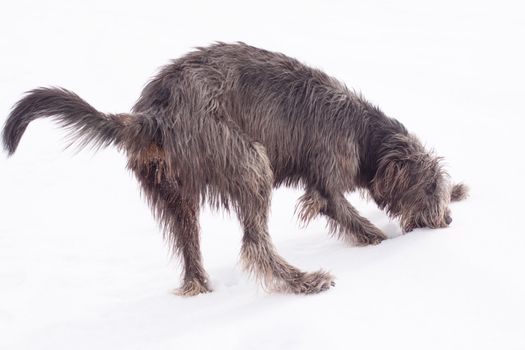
(375, 142)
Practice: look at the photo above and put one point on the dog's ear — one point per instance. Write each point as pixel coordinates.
(459, 192)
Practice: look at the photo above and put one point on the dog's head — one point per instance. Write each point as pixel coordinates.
(410, 184)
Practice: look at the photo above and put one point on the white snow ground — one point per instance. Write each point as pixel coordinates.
(83, 265)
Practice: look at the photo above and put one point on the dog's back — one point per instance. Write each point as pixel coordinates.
(307, 121)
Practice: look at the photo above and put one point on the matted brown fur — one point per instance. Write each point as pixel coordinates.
(227, 123)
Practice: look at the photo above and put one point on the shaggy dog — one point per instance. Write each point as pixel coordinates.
(227, 123)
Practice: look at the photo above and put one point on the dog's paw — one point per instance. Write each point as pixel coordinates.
(192, 288)
(311, 283)
(372, 236)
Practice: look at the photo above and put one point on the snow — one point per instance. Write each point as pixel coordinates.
(83, 264)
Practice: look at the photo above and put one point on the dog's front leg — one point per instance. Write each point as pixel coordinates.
(343, 219)
(258, 253)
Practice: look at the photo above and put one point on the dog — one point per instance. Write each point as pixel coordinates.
(226, 123)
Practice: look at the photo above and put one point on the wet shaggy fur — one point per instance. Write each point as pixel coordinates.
(227, 123)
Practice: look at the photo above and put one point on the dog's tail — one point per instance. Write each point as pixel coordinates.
(87, 125)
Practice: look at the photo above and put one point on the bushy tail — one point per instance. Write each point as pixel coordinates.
(86, 124)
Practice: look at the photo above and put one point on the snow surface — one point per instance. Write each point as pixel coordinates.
(83, 264)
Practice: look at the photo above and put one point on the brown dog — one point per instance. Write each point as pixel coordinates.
(225, 124)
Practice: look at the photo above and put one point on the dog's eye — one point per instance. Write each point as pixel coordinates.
(431, 189)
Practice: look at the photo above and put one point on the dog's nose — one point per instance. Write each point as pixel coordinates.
(448, 219)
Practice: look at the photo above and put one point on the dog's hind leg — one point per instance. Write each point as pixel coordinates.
(344, 220)
(178, 215)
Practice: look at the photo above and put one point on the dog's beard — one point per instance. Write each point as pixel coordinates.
(430, 211)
